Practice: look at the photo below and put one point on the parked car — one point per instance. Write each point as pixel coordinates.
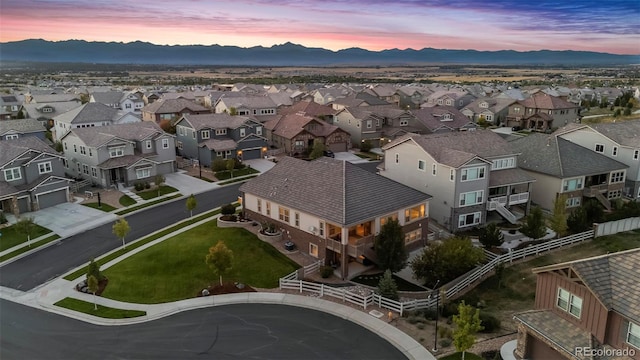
(329, 153)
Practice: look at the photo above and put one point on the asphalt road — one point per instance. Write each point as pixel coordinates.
(26, 273)
(243, 331)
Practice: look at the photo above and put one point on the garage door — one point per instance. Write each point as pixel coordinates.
(251, 154)
(338, 147)
(52, 198)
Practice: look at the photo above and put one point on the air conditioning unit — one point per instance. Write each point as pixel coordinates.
(312, 229)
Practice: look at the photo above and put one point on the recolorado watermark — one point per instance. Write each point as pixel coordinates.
(589, 351)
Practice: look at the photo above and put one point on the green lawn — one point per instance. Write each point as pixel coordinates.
(225, 175)
(104, 207)
(175, 269)
(11, 236)
(163, 190)
(374, 279)
(126, 200)
(142, 206)
(103, 311)
(237, 180)
(27, 248)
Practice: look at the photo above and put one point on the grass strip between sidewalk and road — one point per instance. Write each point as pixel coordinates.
(162, 190)
(145, 240)
(104, 207)
(237, 180)
(103, 311)
(27, 248)
(142, 206)
(11, 236)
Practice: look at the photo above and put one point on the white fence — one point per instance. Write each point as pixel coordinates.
(614, 227)
(291, 281)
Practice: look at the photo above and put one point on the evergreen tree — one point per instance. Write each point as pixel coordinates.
(390, 250)
(387, 286)
(534, 226)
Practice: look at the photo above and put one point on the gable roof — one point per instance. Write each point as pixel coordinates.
(11, 149)
(98, 136)
(215, 121)
(434, 117)
(251, 102)
(625, 133)
(542, 100)
(335, 190)
(171, 106)
(555, 156)
(309, 108)
(35, 110)
(88, 113)
(458, 148)
(108, 97)
(612, 278)
(21, 126)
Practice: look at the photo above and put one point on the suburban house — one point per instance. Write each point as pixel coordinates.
(584, 308)
(32, 176)
(456, 97)
(171, 110)
(310, 108)
(383, 92)
(47, 98)
(9, 106)
(563, 167)
(472, 175)
(443, 119)
(126, 101)
(46, 112)
(193, 96)
(411, 97)
(332, 209)
(542, 112)
(18, 128)
(296, 134)
(246, 105)
(89, 115)
(492, 110)
(326, 95)
(206, 137)
(119, 154)
(618, 141)
(377, 124)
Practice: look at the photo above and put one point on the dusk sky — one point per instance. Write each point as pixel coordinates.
(602, 25)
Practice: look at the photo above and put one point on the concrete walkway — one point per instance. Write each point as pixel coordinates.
(507, 350)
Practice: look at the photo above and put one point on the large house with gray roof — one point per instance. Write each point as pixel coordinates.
(562, 167)
(377, 124)
(582, 306)
(207, 137)
(248, 105)
(542, 112)
(32, 176)
(170, 110)
(14, 129)
(297, 133)
(89, 115)
(443, 119)
(472, 175)
(125, 101)
(332, 209)
(119, 154)
(46, 112)
(618, 141)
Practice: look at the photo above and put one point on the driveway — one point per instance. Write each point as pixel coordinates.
(261, 165)
(350, 157)
(64, 219)
(187, 184)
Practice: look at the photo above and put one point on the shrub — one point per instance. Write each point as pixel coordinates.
(365, 146)
(227, 209)
(326, 271)
(413, 319)
(429, 314)
(420, 326)
(138, 186)
(3, 219)
(489, 322)
(445, 333)
(449, 309)
(387, 287)
(147, 185)
(445, 342)
(231, 218)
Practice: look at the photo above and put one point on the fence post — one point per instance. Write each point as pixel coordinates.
(300, 282)
(401, 309)
(364, 302)
(321, 290)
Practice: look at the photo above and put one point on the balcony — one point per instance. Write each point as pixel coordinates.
(492, 204)
(520, 198)
(358, 245)
(334, 245)
(592, 190)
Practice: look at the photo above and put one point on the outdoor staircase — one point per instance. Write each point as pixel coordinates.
(502, 210)
(603, 200)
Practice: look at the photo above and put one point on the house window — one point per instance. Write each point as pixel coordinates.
(569, 302)
(143, 173)
(148, 144)
(385, 219)
(572, 184)
(260, 206)
(11, 137)
(75, 148)
(471, 198)
(633, 335)
(313, 250)
(575, 306)
(206, 134)
(165, 143)
(259, 130)
(44, 167)
(503, 164)
(617, 177)
(321, 228)
(221, 131)
(573, 202)
(268, 208)
(79, 168)
(636, 154)
(65, 145)
(180, 131)
(422, 165)
(397, 158)
(116, 151)
(83, 150)
(296, 219)
(180, 145)
(369, 124)
(12, 174)
(299, 143)
(243, 132)
(452, 175)
(85, 169)
(412, 236)
(414, 213)
(472, 173)
(90, 152)
(404, 122)
(614, 194)
(469, 219)
(94, 172)
(283, 214)
(599, 148)
(614, 151)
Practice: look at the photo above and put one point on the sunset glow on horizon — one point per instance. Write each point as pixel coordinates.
(602, 26)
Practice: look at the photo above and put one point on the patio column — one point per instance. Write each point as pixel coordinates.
(14, 206)
(344, 256)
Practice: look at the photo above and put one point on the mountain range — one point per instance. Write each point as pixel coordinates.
(288, 54)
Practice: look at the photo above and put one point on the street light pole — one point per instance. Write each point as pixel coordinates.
(435, 336)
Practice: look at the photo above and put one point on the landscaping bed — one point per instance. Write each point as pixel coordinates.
(227, 288)
(372, 280)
